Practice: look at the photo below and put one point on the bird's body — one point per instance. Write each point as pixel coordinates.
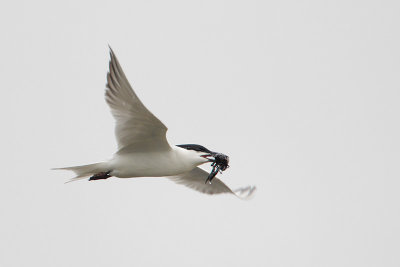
(143, 150)
(171, 162)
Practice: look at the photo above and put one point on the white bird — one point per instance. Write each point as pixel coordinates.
(143, 149)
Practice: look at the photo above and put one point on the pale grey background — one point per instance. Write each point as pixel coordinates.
(303, 96)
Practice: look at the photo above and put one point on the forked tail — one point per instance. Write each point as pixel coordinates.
(85, 170)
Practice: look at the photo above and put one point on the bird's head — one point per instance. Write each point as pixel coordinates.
(220, 162)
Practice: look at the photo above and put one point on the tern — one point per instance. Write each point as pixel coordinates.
(143, 149)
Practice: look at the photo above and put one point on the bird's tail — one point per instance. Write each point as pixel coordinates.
(84, 171)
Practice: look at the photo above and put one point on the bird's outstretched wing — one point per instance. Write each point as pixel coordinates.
(136, 129)
(196, 178)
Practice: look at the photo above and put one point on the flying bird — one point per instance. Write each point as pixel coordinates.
(143, 149)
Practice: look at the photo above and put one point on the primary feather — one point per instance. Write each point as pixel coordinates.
(136, 128)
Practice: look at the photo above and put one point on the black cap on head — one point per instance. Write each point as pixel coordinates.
(195, 148)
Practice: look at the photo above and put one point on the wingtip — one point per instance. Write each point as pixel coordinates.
(111, 51)
(58, 169)
(245, 193)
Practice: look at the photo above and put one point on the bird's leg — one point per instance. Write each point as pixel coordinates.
(100, 175)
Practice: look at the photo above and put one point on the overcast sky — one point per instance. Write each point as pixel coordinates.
(302, 95)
